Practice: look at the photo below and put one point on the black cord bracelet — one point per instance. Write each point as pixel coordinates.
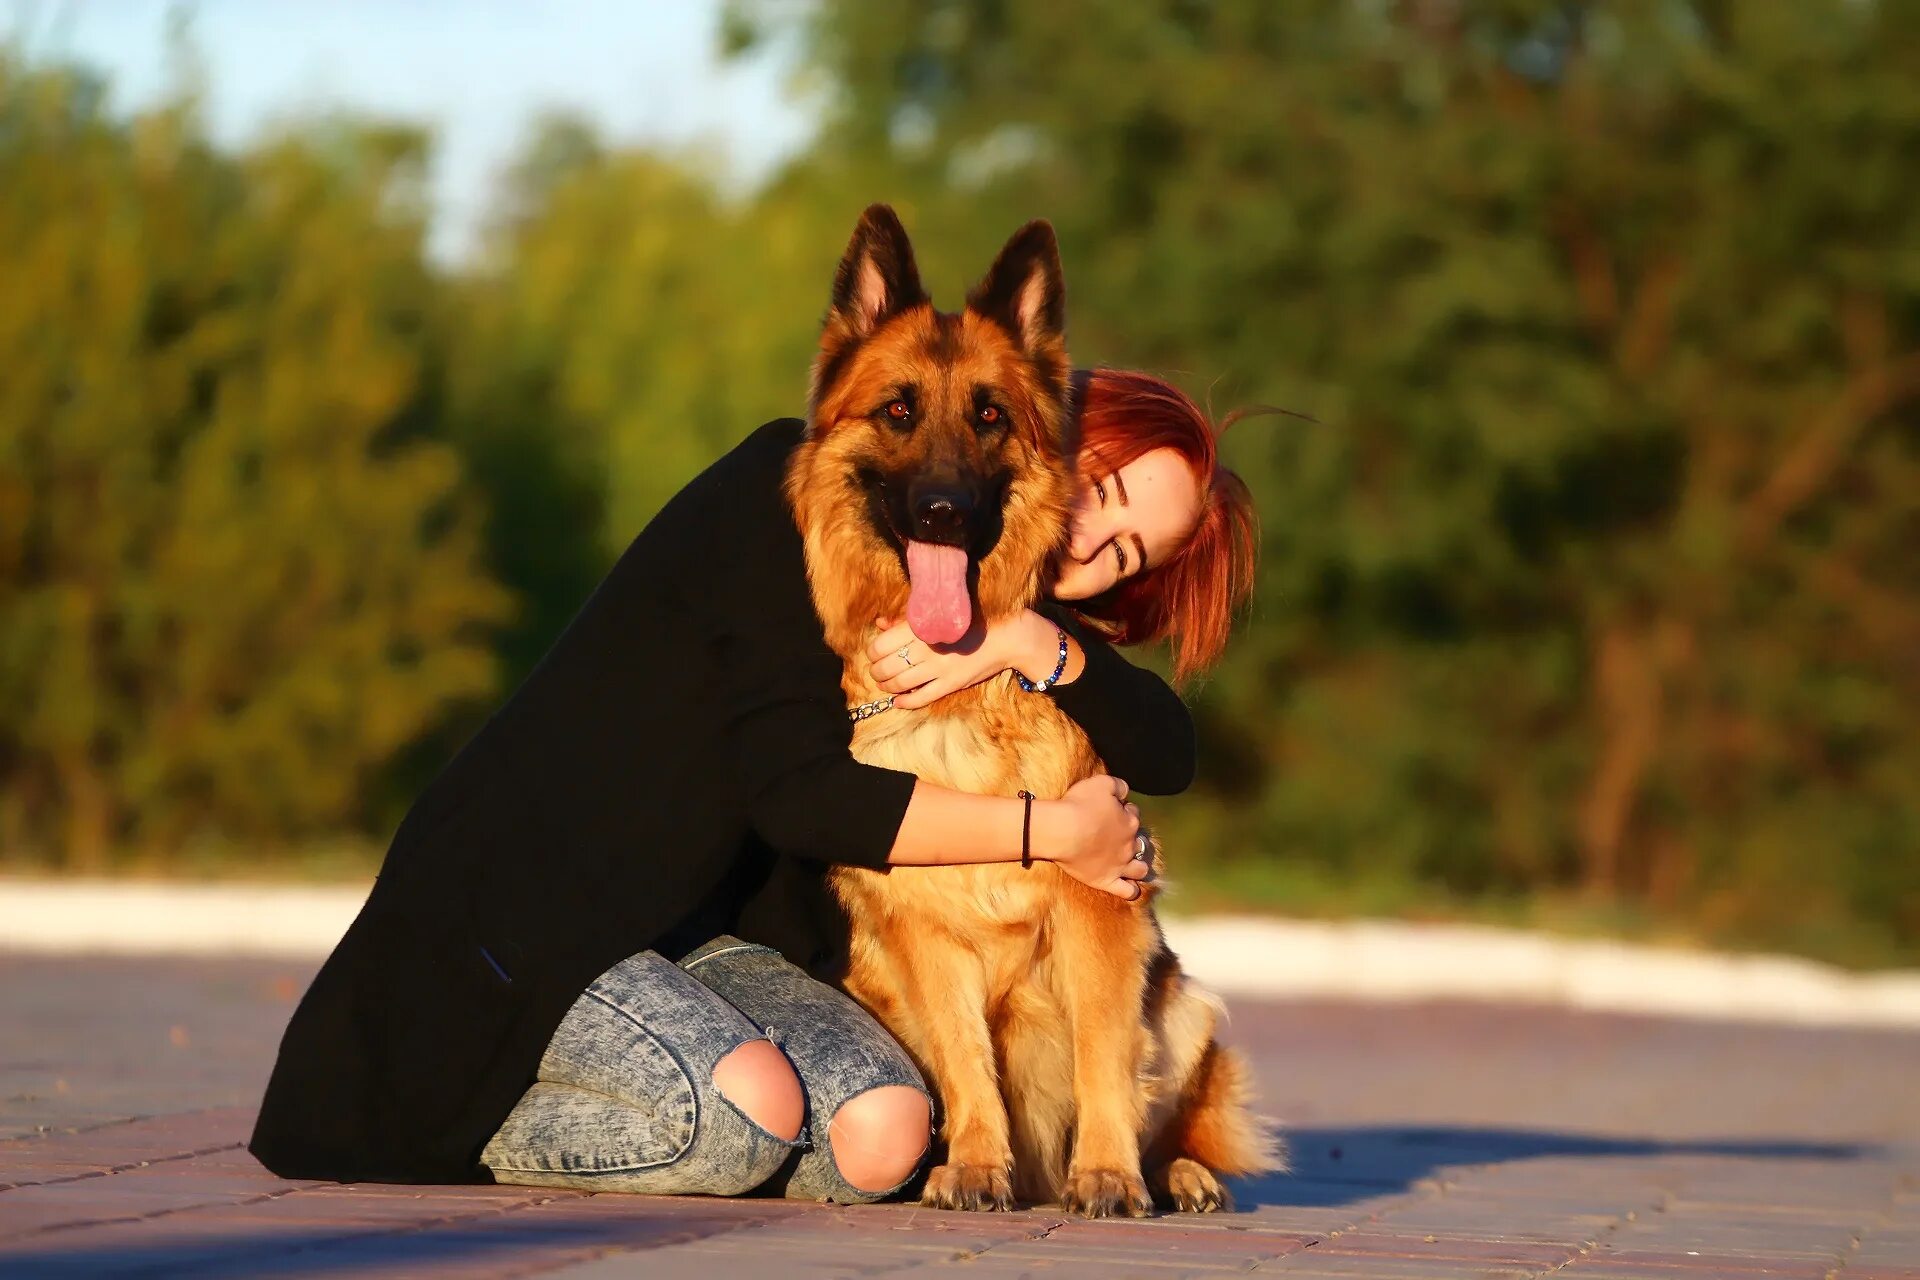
(1026, 831)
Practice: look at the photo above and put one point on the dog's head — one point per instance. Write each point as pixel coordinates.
(938, 464)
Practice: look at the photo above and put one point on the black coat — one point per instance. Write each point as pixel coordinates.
(686, 727)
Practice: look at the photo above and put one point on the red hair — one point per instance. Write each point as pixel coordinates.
(1194, 595)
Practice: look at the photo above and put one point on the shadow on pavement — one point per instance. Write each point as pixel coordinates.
(317, 1252)
(1338, 1166)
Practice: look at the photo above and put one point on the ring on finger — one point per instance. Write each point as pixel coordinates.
(1142, 848)
(901, 653)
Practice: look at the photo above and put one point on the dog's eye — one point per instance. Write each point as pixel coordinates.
(899, 410)
(990, 415)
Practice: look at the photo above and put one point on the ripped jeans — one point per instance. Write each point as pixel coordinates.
(625, 1101)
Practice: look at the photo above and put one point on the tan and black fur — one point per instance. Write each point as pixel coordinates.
(1047, 1015)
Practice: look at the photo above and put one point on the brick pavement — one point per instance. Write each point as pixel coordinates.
(1429, 1141)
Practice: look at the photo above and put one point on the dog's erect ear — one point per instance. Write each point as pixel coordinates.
(876, 279)
(1025, 290)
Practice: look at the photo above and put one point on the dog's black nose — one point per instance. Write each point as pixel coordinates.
(941, 516)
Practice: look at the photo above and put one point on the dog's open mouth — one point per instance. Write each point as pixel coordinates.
(939, 608)
(939, 568)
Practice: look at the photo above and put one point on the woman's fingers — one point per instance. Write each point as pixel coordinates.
(892, 639)
(892, 664)
(907, 679)
(931, 691)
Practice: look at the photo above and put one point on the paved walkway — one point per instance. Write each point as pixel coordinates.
(1429, 1141)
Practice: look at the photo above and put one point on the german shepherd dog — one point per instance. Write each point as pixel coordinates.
(937, 470)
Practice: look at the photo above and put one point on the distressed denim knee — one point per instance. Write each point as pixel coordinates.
(840, 1052)
(626, 1101)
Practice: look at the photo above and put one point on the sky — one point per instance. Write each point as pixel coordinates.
(477, 71)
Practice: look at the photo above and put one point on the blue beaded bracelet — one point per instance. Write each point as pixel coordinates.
(1059, 668)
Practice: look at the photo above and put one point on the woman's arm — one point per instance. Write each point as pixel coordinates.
(1138, 725)
(1085, 831)
(806, 795)
(1136, 722)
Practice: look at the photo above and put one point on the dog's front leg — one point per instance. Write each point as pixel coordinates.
(957, 1051)
(1104, 945)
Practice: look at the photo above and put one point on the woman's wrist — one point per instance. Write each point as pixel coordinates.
(1035, 647)
(1037, 652)
(1054, 829)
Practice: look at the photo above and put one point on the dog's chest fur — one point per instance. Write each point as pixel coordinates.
(993, 739)
(989, 932)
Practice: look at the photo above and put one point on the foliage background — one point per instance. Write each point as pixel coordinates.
(1592, 598)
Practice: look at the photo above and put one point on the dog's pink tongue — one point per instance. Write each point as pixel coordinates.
(938, 608)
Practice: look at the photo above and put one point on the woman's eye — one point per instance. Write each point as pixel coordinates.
(899, 411)
(1120, 557)
(990, 415)
(1100, 491)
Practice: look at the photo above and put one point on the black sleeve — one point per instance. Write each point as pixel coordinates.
(805, 794)
(1137, 724)
(784, 713)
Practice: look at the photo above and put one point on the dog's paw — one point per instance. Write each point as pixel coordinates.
(1105, 1193)
(969, 1186)
(1193, 1188)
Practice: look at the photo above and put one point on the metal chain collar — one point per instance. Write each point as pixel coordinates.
(866, 710)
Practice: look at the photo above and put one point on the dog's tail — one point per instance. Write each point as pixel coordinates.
(1216, 1125)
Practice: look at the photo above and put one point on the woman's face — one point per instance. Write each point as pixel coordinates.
(1128, 522)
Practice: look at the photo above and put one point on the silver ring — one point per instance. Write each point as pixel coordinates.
(1142, 851)
(901, 653)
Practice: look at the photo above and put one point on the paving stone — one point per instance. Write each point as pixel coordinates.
(1332, 1266)
(96, 1199)
(1525, 1227)
(1244, 1248)
(988, 1269)
(1742, 1269)
(345, 1209)
(1684, 1263)
(1379, 1244)
(667, 1265)
(1880, 1245)
(179, 1243)
(497, 1241)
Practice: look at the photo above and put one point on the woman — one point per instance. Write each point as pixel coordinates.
(684, 739)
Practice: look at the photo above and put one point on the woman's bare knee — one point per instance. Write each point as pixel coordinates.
(880, 1135)
(757, 1078)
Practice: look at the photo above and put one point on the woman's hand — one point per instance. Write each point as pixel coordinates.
(1098, 837)
(916, 673)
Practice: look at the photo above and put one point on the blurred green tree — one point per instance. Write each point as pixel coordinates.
(1600, 573)
(1595, 580)
(626, 308)
(234, 578)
